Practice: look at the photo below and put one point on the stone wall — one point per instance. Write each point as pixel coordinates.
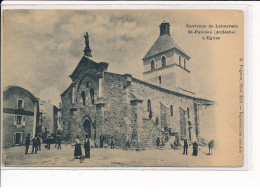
(66, 99)
(116, 122)
(157, 95)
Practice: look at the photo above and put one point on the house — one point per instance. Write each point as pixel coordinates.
(20, 115)
(48, 116)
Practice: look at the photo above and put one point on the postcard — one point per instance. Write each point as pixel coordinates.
(122, 88)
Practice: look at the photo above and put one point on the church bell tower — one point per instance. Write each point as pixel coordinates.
(166, 64)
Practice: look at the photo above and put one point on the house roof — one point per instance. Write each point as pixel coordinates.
(162, 44)
(12, 89)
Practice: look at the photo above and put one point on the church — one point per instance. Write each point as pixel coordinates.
(133, 110)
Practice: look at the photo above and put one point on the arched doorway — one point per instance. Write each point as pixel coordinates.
(87, 127)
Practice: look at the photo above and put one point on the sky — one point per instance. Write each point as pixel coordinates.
(41, 48)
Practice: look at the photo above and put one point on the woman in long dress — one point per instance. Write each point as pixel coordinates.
(77, 152)
(195, 149)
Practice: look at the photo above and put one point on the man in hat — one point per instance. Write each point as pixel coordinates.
(185, 147)
(102, 138)
(35, 146)
(27, 143)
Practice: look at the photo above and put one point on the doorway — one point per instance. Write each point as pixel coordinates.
(18, 138)
(87, 127)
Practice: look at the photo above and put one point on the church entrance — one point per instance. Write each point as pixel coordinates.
(87, 127)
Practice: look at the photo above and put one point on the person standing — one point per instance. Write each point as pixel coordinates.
(77, 151)
(127, 145)
(158, 141)
(195, 149)
(45, 134)
(35, 147)
(59, 139)
(56, 141)
(102, 138)
(39, 143)
(185, 147)
(27, 143)
(112, 143)
(87, 147)
(162, 141)
(48, 142)
(166, 138)
(59, 142)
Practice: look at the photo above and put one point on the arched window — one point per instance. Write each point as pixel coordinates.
(171, 109)
(152, 65)
(184, 64)
(163, 60)
(92, 96)
(149, 109)
(188, 113)
(87, 84)
(83, 97)
(180, 60)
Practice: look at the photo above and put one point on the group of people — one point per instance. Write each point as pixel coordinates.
(102, 140)
(36, 144)
(87, 146)
(38, 139)
(78, 151)
(161, 141)
(194, 146)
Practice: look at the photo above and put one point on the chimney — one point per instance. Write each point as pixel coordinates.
(87, 51)
(165, 28)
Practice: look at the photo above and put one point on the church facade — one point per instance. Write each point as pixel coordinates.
(132, 110)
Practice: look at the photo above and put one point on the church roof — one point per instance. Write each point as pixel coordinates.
(86, 62)
(162, 44)
(133, 95)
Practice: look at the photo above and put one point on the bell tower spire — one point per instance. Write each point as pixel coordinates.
(87, 50)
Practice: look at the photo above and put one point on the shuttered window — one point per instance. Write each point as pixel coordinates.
(20, 104)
